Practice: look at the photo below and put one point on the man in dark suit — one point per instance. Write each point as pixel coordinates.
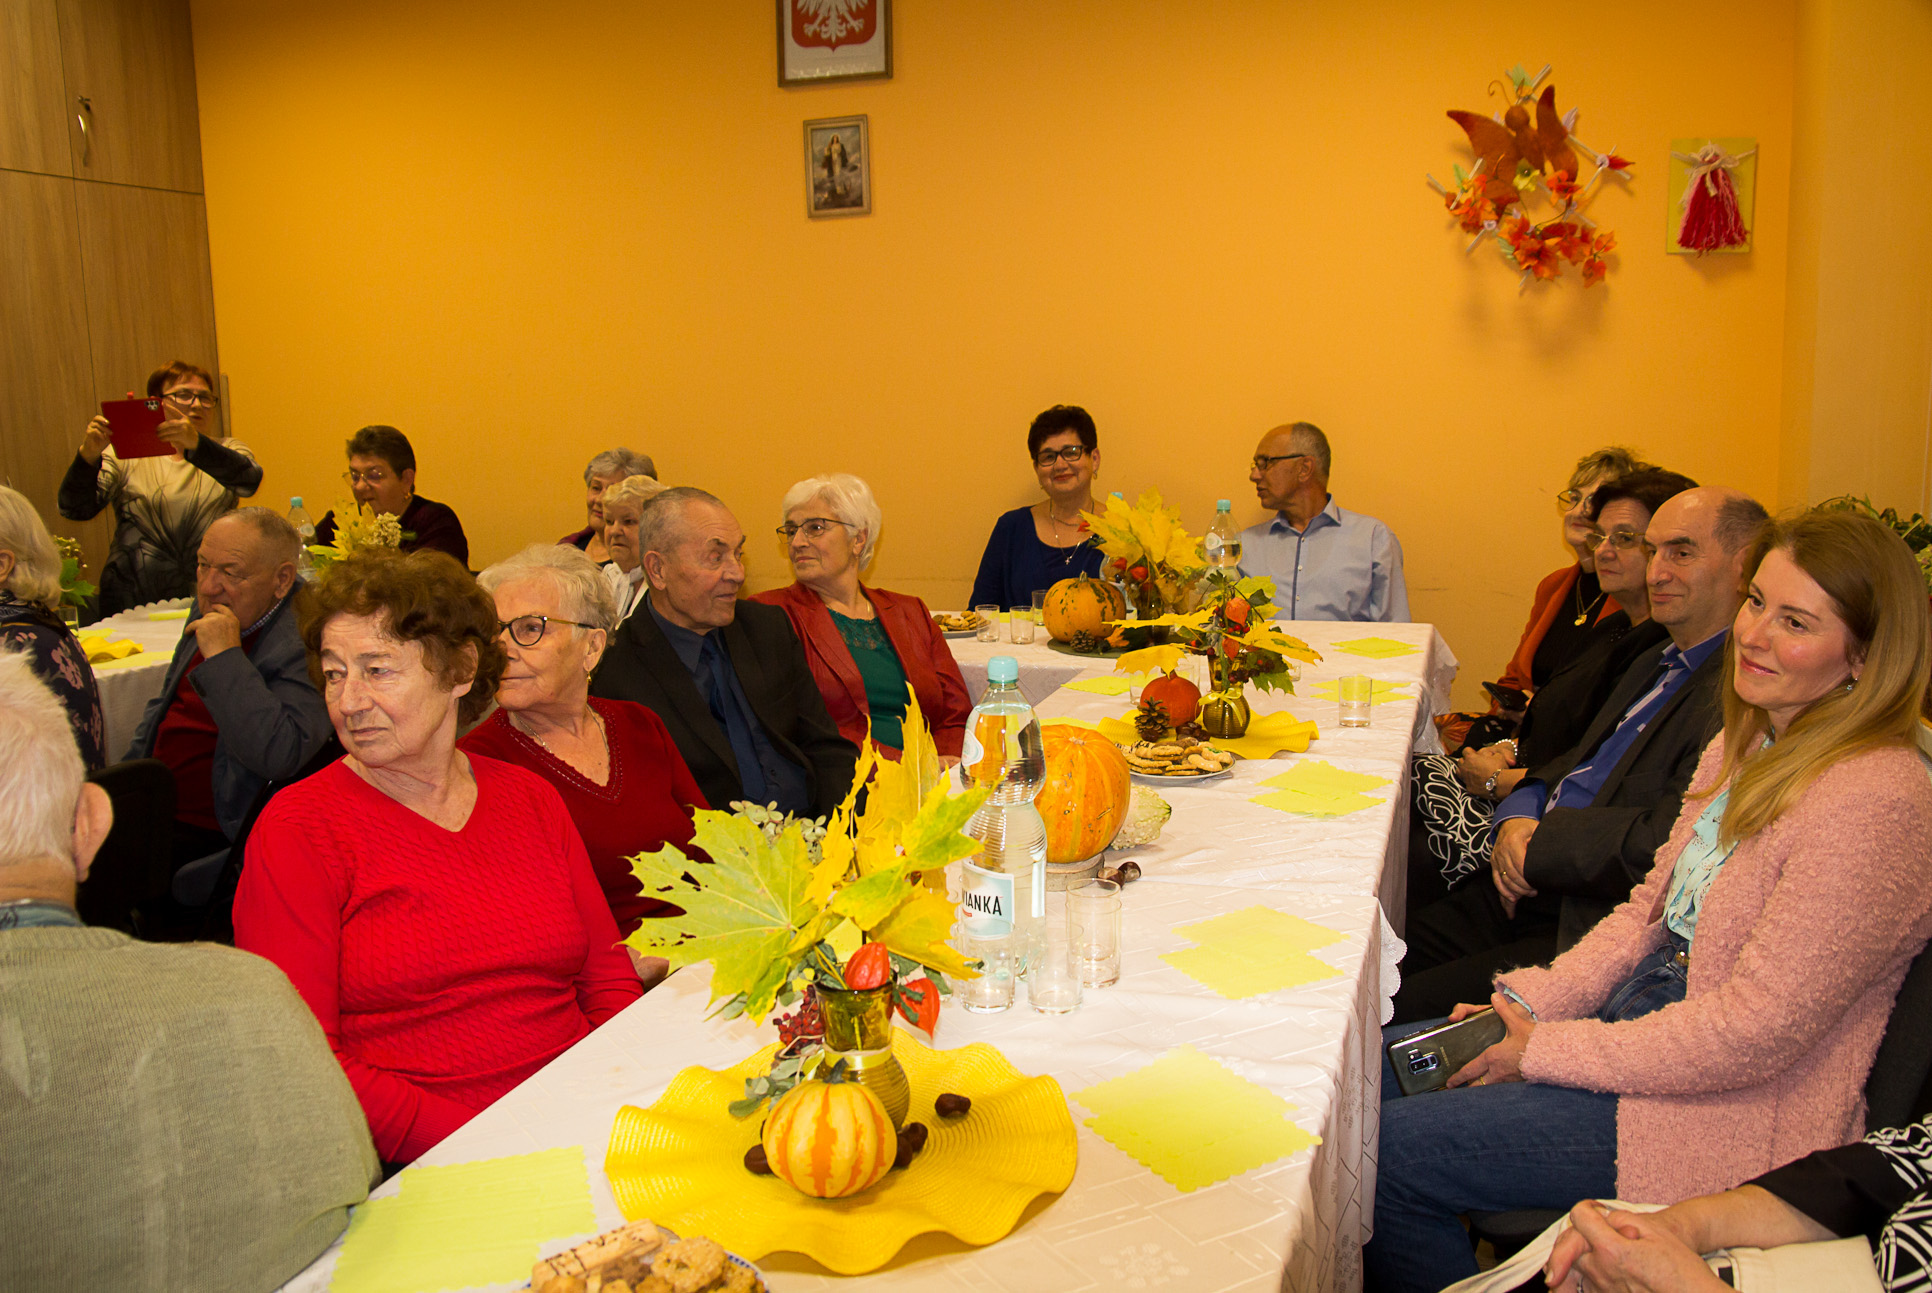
(728, 678)
(1578, 833)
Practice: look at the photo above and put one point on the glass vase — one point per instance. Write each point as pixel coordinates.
(1224, 710)
(858, 1030)
(1149, 606)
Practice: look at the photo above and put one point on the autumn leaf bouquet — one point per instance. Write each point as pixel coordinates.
(782, 917)
(357, 527)
(1234, 629)
(1157, 559)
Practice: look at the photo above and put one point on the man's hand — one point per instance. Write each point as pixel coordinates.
(217, 630)
(1502, 1062)
(179, 432)
(96, 439)
(1625, 1252)
(1476, 766)
(1506, 861)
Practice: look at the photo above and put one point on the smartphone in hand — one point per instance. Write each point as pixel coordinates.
(1425, 1061)
(134, 422)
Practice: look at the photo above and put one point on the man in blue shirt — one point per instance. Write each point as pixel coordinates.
(1327, 564)
(1579, 833)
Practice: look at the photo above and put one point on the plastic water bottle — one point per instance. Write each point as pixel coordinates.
(1003, 886)
(1222, 543)
(298, 517)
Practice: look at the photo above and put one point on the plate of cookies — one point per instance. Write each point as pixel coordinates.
(956, 624)
(646, 1258)
(1177, 758)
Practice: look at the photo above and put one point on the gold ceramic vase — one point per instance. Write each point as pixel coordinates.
(1224, 710)
(858, 1030)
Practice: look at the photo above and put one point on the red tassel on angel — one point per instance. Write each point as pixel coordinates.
(1711, 218)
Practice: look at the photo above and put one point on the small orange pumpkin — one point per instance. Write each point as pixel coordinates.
(829, 1139)
(1082, 605)
(1086, 794)
(1180, 698)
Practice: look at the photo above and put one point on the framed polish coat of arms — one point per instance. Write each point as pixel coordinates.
(833, 40)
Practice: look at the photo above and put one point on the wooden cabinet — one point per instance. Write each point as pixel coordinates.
(33, 93)
(130, 74)
(149, 296)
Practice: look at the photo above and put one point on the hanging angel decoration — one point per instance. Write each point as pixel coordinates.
(1712, 220)
(1518, 156)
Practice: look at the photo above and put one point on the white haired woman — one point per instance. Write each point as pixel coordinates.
(865, 645)
(30, 622)
(623, 505)
(605, 470)
(621, 777)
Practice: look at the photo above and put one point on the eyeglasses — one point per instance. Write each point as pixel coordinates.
(815, 527)
(1264, 461)
(374, 476)
(1621, 540)
(1568, 499)
(193, 397)
(1047, 457)
(528, 630)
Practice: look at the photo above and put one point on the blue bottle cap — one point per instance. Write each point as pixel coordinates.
(296, 501)
(1222, 505)
(1002, 668)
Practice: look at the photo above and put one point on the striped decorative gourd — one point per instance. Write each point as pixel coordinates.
(829, 1139)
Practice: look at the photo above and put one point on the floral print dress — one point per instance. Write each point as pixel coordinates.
(60, 663)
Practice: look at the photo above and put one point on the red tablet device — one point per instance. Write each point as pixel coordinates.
(133, 422)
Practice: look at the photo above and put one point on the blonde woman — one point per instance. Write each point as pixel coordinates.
(30, 621)
(623, 505)
(1722, 1021)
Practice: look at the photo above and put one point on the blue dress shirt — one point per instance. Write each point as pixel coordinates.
(1341, 566)
(1580, 788)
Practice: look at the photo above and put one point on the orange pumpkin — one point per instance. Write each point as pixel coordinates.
(1180, 698)
(1082, 605)
(1086, 794)
(829, 1139)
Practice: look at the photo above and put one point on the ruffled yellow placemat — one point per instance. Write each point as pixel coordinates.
(1255, 950)
(681, 1163)
(1268, 735)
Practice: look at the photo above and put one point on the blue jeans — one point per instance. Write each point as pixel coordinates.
(1493, 1148)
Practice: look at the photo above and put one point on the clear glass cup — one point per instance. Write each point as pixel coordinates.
(1020, 625)
(1053, 980)
(1355, 693)
(1093, 931)
(992, 991)
(1039, 605)
(989, 623)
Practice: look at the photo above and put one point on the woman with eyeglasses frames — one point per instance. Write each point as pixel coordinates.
(620, 774)
(162, 505)
(1034, 548)
(866, 646)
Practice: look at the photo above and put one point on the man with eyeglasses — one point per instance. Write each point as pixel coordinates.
(1578, 833)
(1327, 563)
(728, 678)
(382, 476)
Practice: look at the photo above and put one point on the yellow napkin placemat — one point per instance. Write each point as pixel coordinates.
(1381, 692)
(1267, 735)
(99, 649)
(1105, 685)
(467, 1224)
(1192, 1121)
(1252, 951)
(1314, 788)
(181, 614)
(1377, 648)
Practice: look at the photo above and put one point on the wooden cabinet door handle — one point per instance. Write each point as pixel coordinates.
(87, 135)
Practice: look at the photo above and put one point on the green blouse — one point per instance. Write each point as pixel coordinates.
(884, 676)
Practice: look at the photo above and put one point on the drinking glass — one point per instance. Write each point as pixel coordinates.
(1020, 625)
(1355, 693)
(992, 991)
(989, 623)
(1093, 930)
(1053, 980)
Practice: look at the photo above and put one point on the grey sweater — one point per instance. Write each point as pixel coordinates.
(171, 1117)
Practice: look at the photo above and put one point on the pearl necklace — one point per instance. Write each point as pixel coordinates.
(595, 717)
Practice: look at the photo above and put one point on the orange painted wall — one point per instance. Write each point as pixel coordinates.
(526, 235)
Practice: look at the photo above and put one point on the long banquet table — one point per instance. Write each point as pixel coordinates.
(1295, 1223)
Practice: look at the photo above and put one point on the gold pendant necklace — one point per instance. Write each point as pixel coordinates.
(1582, 611)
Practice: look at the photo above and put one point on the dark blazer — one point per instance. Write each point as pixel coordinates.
(640, 665)
(920, 646)
(1561, 711)
(1593, 857)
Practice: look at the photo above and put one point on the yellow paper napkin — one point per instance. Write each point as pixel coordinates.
(181, 614)
(1313, 788)
(99, 649)
(1192, 1121)
(471, 1223)
(1268, 734)
(1376, 648)
(1255, 950)
(1105, 685)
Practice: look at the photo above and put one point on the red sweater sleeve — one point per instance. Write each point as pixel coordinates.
(608, 982)
(288, 909)
(947, 720)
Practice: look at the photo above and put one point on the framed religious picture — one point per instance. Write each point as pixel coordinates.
(834, 40)
(838, 167)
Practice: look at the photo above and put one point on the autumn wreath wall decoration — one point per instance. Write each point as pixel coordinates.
(1523, 159)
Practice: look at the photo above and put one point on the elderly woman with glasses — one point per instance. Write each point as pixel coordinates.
(1034, 548)
(621, 777)
(623, 508)
(30, 622)
(605, 470)
(434, 907)
(865, 645)
(162, 503)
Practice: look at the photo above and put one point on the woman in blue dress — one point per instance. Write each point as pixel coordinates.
(1034, 548)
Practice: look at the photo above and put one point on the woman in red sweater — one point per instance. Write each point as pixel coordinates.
(613, 761)
(865, 645)
(436, 910)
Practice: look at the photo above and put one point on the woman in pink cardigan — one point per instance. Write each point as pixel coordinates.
(1722, 1021)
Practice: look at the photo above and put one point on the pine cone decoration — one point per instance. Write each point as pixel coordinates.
(1150, 720)
(1086, 642)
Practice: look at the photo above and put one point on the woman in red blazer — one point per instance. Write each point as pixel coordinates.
(865, 645)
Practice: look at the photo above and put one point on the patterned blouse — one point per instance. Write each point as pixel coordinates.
(60, 663)
(1880, 1187)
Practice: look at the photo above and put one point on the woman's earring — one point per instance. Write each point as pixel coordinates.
(1851, 682)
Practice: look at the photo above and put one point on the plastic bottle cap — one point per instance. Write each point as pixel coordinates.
(1222, 505)
(1002, 668)
(296, 501)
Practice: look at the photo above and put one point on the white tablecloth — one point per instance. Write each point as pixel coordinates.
(128, 685)
(1296, 1223)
